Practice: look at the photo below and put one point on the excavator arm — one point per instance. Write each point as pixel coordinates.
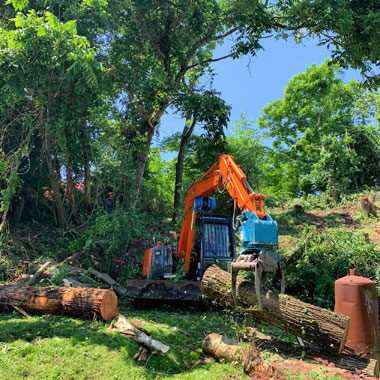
(258, 231)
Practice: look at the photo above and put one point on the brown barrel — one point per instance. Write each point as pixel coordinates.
(356, 297)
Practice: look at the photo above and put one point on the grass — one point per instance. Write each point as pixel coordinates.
(55, 347)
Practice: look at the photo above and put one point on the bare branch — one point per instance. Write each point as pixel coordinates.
(198, 45)
(211, 60)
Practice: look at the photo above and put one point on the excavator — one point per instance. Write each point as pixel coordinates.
(207, 239)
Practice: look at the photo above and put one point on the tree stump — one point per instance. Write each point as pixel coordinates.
(82, 302)
(364, 206)
(316, 325)
(372, 206)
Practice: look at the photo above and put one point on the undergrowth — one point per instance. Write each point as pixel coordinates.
(321, 257)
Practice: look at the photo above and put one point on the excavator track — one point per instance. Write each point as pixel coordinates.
(164, 290)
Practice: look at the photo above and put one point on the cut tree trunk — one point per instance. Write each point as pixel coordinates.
(83, 302)
(222, 348)
(311, 323)
(364, 206)
(131, 331)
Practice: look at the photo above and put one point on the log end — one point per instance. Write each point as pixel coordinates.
(108, 306)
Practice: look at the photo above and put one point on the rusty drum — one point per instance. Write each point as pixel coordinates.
(356, 297)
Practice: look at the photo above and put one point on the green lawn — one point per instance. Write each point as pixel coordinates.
(55, 347)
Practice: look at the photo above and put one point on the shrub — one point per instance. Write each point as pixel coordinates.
(321, 257)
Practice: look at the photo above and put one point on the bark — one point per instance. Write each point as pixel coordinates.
(311, 323)
(83, 302)
(372, 206)
(187, 132)
(364, 206)
(225, 349)
(222, 348)
(131, 331)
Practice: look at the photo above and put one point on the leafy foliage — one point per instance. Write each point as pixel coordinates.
(322, 257)
(317, 131)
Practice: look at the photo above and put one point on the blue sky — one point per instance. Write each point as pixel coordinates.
(250, 90)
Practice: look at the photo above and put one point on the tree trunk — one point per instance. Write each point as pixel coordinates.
(311, 323)
(55, 185)
(225, 349)
(19, 208)
(142, 158)
(87, 183)
(222, 348)
(70, 187)
(83, 302)
(372, 206)
(187, 131)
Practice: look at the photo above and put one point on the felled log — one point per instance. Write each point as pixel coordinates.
(253, 360)
(35, 279)
(223, 348)
(108, 280)
(83, 302)
(311, 323)
(72, 282)
(128, 329)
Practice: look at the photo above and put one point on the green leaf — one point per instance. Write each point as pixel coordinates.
(41, 31)
(19, 20)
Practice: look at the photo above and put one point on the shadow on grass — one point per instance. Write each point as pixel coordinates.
(85, 333)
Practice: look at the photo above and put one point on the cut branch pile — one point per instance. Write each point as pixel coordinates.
(318, 326)
(74, 276)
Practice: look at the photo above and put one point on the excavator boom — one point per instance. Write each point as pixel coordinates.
(223, 175)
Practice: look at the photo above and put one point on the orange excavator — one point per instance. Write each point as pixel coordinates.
(207, 239)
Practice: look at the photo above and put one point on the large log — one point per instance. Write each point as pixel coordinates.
(311, 323)
(253, 360)
(83, 302)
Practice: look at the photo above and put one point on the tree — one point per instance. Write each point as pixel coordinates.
(47, 66)
(156, 45)
(318, 126)
(351, 28)
(205, 108)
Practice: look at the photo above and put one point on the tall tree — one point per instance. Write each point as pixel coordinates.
(157, 43)
(318, 126)
(47, 65)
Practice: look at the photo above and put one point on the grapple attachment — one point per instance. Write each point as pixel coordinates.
(264, 261)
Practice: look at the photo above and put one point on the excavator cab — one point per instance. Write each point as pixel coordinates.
(214, 244)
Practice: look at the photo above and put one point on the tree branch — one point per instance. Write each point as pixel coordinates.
(198, 45)
(181, 17)
(211, 60)
(149, 33)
